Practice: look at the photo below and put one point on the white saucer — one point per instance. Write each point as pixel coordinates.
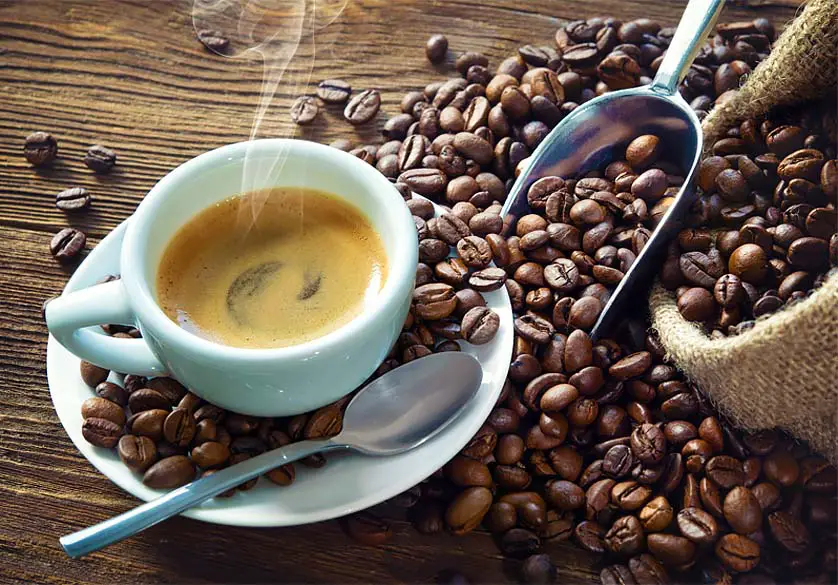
(345, 485)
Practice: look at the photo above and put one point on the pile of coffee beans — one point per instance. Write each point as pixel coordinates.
(171, 436)
(602, 443)
(763, 232)
(613, 449)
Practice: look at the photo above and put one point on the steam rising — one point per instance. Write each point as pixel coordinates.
(274, 31)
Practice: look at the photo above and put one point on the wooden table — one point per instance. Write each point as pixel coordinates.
(131, 75)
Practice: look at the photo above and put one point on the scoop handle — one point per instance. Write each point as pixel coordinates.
(696, 23)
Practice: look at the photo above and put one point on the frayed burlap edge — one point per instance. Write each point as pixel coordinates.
(802, 66)
(778, 367)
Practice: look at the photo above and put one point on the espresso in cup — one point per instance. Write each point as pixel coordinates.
(271, 268)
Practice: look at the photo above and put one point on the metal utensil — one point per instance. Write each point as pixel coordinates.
(591, 135)
(392, 414)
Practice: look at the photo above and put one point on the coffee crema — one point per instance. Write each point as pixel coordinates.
(306, 264)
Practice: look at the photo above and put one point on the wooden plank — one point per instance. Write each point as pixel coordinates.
(131, 75)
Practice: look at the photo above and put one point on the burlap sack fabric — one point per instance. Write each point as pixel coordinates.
(784, 371)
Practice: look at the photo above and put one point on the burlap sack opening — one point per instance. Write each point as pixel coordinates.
(783, 372)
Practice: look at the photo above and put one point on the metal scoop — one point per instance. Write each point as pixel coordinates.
(591, 135)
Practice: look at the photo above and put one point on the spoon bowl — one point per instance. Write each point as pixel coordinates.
(394, 416)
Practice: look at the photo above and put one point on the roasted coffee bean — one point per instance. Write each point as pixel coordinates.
(567, 462)
(466, 512)
(304, 110)
(671, 550)
(40, 149)
(781, 468)
(452, 271)
(742, 510)
(363, 107)
(169, 388)
(436, 48)
(510, 449)
(73, 199)
(738, 553)
(474, 251)
(698, 526)
(643, 151)
(148, 423)
(137, 453)
(488, 279)
(179, 428)
(92, 375)
(673, 472)
(209, 411)
(205, 430)
(482, 444)
(590, 536)
(564, 495)
(650, 185)
(725, 471)
(534, 328)
(334, 91)
(67, 244)
(768, 496)
(100, 159)
(467, 472)
(326, 421)
(631, 366)
(625, 536)
(434, 301)
(648, 444)
(809, 253)
(96, 407)
(169, 473)
(578, 351)
(678, 433)
(703, 269)
(630, 495)
(788, 531)
(147, 399)
(113, 392)
(101, 432)
(210, 454)
(618, 461)
(656, 515)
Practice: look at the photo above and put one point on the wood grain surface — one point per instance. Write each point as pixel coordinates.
(131, 75)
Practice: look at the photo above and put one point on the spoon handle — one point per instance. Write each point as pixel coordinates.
(696, 23)
(115, 529)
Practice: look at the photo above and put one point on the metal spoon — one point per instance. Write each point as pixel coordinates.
(393, 414)
(593, 134)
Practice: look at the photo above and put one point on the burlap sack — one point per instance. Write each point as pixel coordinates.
(783, 372)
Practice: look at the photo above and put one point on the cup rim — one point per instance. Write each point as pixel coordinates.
(400, 274)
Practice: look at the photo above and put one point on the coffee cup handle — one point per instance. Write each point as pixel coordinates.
(69, 316)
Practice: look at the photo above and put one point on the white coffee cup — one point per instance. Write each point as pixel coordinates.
(261, 382)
